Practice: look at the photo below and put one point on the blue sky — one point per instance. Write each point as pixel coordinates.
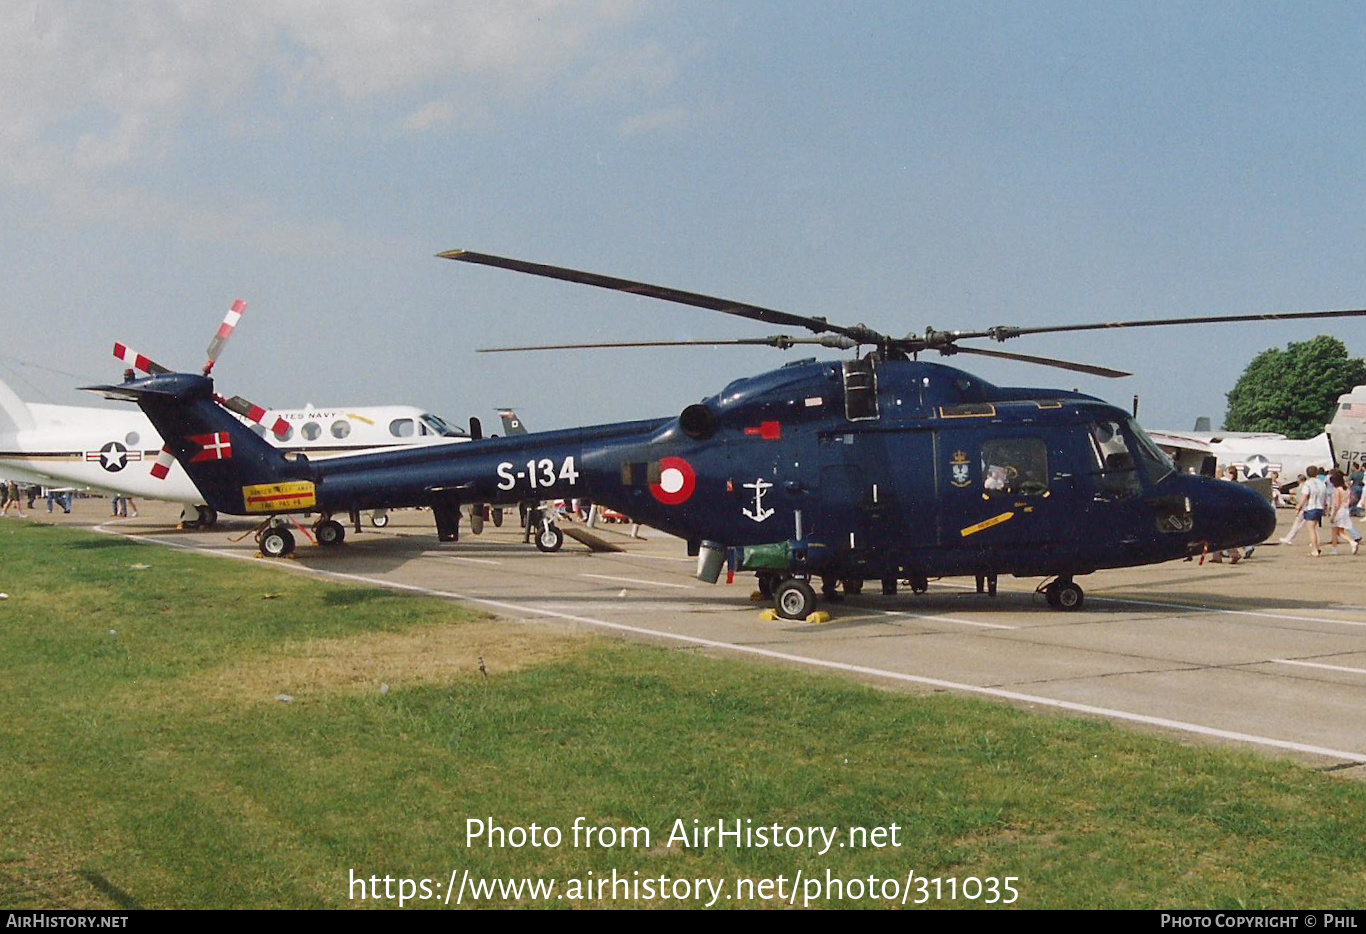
(955, 165)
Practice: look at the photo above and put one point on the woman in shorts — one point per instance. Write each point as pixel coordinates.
(1342, 512)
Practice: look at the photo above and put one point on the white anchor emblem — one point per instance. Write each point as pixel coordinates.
(758, 486)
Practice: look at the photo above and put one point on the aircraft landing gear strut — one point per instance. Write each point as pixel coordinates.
(538, 527)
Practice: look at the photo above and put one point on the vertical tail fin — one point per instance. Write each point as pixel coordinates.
(1347, 430)
(14, 412)
(223, 457)
(512, 424)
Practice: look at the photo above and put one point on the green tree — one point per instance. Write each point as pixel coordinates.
(1293, 391)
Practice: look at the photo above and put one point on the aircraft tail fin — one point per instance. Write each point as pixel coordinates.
(512, 424)
(238, 471)
(14, 412)
(1347, 430)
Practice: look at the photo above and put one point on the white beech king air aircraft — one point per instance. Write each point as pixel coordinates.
(1259, 454)
(116, 451)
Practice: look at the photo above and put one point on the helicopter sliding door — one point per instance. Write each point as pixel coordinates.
(878, 487)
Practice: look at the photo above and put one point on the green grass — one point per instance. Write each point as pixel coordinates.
(152, 766)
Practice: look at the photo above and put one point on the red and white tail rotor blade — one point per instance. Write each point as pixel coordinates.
(137, 361)
(254, 413)
(224, 332)
(165, 460)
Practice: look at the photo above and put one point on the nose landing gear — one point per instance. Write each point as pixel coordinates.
(1063, 594)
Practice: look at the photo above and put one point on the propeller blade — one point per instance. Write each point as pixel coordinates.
(224, 332)
(137, 361)
(253, 413)
(1043, 361)
(781, 341)
(1004, 333)
(742, 309)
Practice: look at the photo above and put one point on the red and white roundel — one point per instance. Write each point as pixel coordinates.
(677, 480)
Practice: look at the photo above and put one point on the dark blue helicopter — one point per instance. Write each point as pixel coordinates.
(878, 468)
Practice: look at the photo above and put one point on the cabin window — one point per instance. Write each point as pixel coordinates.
(341, 428)
(860, 389)
(288, 433)
(402, 428)
(1014, 467)
(1116, 472)
(258, 430)
(311, 431)
(132, 439)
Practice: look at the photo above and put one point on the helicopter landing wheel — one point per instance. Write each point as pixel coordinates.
(853, 586)
(794, 599)
(497, 515)
(919, 585)
(830, 588)
(379, 518)
(277, 543)
(1064, 595)
(330, 533)
(767, 584)
(549, 538)
(198, 517)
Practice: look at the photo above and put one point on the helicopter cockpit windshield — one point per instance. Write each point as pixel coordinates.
(1122, 450)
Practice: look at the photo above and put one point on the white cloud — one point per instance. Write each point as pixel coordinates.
(87, 88)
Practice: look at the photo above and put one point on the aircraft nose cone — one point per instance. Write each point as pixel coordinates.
(1229, 515)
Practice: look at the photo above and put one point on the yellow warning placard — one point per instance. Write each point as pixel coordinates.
(987, 523)
(280, 497)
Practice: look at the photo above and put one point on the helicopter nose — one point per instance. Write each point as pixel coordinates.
(1229, 515)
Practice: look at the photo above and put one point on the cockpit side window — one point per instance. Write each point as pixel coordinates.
(1014, 467)
(1156, 465)
(1116, 471)
(402, 428)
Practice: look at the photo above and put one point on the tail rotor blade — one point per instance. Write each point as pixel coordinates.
(137, 361)
(224, 332)
(254, 413)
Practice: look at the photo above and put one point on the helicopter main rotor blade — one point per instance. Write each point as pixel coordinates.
(712, 303)
(781, 341)
(1004, 333)
(1044, 361)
